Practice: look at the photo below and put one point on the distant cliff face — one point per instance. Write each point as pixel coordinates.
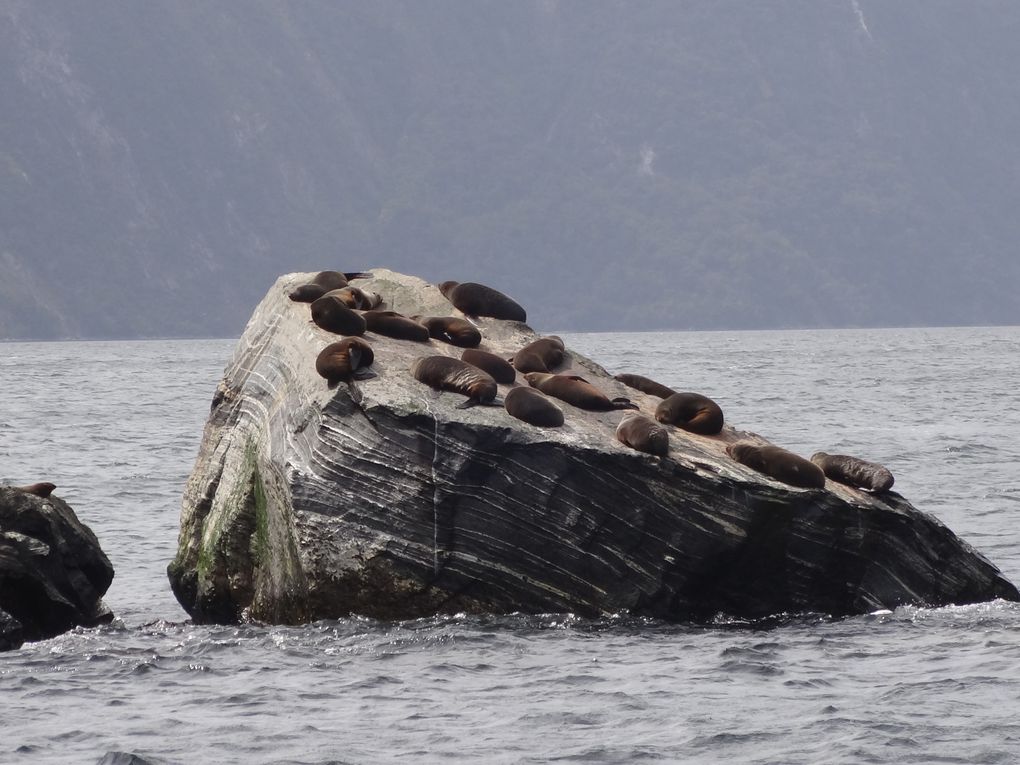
(611, 166)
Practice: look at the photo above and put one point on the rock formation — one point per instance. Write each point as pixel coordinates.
(53, 573)
(388, 501)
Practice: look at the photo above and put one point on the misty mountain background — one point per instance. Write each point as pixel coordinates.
(610, 165)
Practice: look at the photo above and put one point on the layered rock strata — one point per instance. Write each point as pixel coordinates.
(53, 573)
(387, 500)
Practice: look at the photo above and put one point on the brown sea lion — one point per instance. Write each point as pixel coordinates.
(645, 385)
(345, 361)
(533, 407)
(499, 368)
(456, 376)
(331, 314)
(358, 299)
(691, 411)
(42, 489)
(323, 282)
(853, 471)
(542, 355)
(576, 391)
(473, 299)
(307, 293)
(638, 431)
(395, 325)
(452, 330)
(778, 463)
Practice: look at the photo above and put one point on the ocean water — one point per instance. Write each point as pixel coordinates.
(117, 425)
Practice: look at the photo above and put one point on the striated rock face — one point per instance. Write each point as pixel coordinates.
(389, 501)
(53, 574)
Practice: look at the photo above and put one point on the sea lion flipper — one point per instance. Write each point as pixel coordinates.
(348, 275)
(364, 374)
(497, 401)
(622, 402)
(468, 404)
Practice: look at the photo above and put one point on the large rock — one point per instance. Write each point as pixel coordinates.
(53, 573)
(308, 503)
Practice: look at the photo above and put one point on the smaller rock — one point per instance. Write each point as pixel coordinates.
(53, 573)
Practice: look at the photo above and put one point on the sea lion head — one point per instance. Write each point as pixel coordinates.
(447, 287)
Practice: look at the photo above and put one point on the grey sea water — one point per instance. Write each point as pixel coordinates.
(117, 425)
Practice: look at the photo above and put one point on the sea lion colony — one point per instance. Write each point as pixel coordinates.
(340, 308)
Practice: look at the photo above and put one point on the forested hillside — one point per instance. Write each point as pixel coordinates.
(611, 165)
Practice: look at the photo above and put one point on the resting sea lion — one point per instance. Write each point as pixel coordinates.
(533, 407)
(42, 489)
(854, 472)
(396, 325)
(330, 313)
(576, 391)
(446, 373)
(778, 463)
(452, 330)
(345, 361)
(323, 282)
(500, 369)
(542, 355)
(691, 411)
(643, 384)
(361, 300)
(641, 432)
(308, 293)
(644, 434)
(473, 299)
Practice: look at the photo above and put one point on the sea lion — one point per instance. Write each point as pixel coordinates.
(323, 282)
(778, 463)
(345, 361)
(576, 391)
(446, 373)
(396, 325)
(533, 407)
(542, 355)
(307, 293)
(645, 385)
(691, 411)
(638, 431)
(331, 314)
(358, 299)
(42, 489)
(853, 471)
(500, 369)
(452, 330)
(473, 299)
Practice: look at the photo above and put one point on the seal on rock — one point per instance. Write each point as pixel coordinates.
(532, 407)
(331, 314)
(353, 297)
(778, 463)
(42, 489)
(345, 361)
(456, 376)
(500, 369)
(452, 330)
(691, 411)
(323, 282)
(542, 355)
(853, 471)
(645, 385)
(395, 325)
(638, 431)
(473, 299)
(576, 391)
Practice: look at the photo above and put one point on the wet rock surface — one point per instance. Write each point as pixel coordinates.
(387, 500)
(53, 573)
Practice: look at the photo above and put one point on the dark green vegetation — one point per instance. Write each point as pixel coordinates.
(608, 165)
